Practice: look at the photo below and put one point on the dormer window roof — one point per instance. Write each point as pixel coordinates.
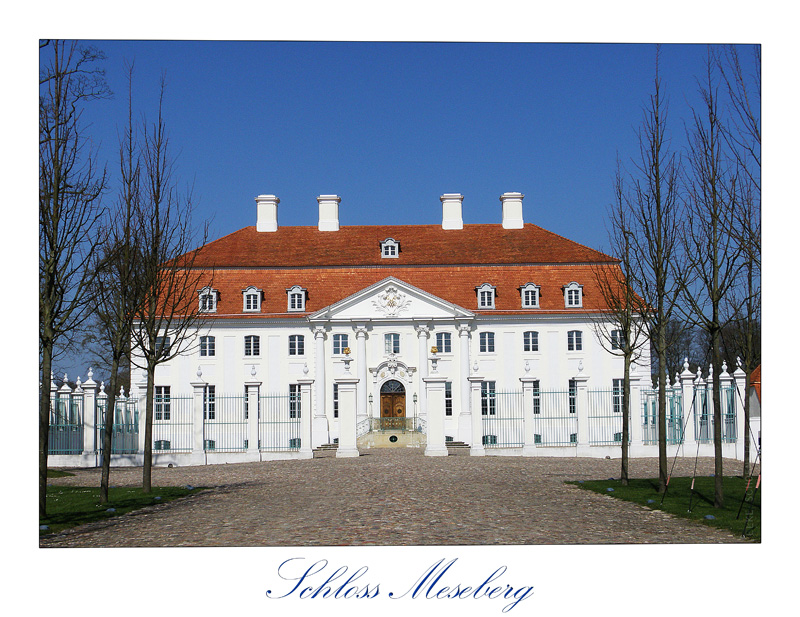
(208, 300)
(251, 299)
(573, 295)
(390, 249)
(486, 295)
(296, 299)
(529, 294)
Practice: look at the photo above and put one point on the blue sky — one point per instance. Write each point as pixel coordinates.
(389, 127)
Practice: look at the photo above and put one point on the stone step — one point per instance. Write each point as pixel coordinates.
(456, 444)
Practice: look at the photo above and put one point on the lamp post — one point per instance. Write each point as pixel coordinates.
(415, 411)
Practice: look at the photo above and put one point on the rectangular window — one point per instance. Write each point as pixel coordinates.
(486, 342)
(252, 345)
(161, 444)
(573, 396)
(340, 343)
(207, 346)
(294, 400)
(208, 302)
(443, 342)
(391, 343)
(296, 301)
(574, 340)
(162, 403)
(209, 403)
(448, 398)
(486, 299)
(617, 340)
(530, 341)
(573, 297)
(537, 438)
(296, 345)
(537, 398)
(488, 398)
(616, 395)
(336, 400)
(162, 346)
(251, 302)
(529, 299)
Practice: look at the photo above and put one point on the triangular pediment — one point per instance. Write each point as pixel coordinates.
(391, 299)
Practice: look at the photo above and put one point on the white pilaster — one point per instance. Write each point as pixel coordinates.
(305, 418)
(476, 444)
(528, 447)
(89, 402)
(252, 390)
(423, 332)
(464, 420)
(347, 386)
(198, 424)
(361, 358)
(582, 404)
(319, 428)
(742, 430)
(434, 387)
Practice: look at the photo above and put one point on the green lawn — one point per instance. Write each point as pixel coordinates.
(70, 506)
(680, 498)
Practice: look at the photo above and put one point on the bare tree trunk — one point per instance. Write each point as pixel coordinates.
(44, 428)
(147, 471)
(108, 432)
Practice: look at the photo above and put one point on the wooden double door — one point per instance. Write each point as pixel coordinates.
(393, 403)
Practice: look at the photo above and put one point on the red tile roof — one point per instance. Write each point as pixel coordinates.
(449, 264)
(302, 247)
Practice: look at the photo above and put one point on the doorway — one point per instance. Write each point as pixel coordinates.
(393, 404)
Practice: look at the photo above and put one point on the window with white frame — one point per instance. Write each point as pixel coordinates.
(297, 298)
(574, 340)
(617, 395)
(296, 345)
(488, 398)
(573, 396)
(252, 345)
(294, 400)
(162, 403)
(391, 343)
(617, 341)
(336, 400)
(209, 402)
(208, 300)
(537, 397)
(486, 342)
(252, 300)
(390, 249)
(448, 398)
(444, 342)
(486, 295)
(530, 295)
(340, 343)
(573, 295)
(207, 346)
(530, 341)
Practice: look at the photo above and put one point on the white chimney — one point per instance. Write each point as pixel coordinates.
(328, 212)
(451, 211)
(267, 213)
(512, 210)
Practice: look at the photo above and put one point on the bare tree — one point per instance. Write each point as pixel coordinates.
(743, 136)
(713, 256)
(620, 328)
(169, 318)
(70, 188)
(116, 294)
(654, 216)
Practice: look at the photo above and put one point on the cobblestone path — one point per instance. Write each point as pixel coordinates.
(391, 497)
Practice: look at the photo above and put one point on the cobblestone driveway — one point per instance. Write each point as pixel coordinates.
(392, 497)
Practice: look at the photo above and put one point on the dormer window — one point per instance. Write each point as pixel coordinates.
(208, 300)
(297, 299)
(530, 295)
(486, 295)
(252, 300)
(573, 295)
(390, 249)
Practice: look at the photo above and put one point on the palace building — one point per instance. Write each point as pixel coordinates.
(489, 336)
